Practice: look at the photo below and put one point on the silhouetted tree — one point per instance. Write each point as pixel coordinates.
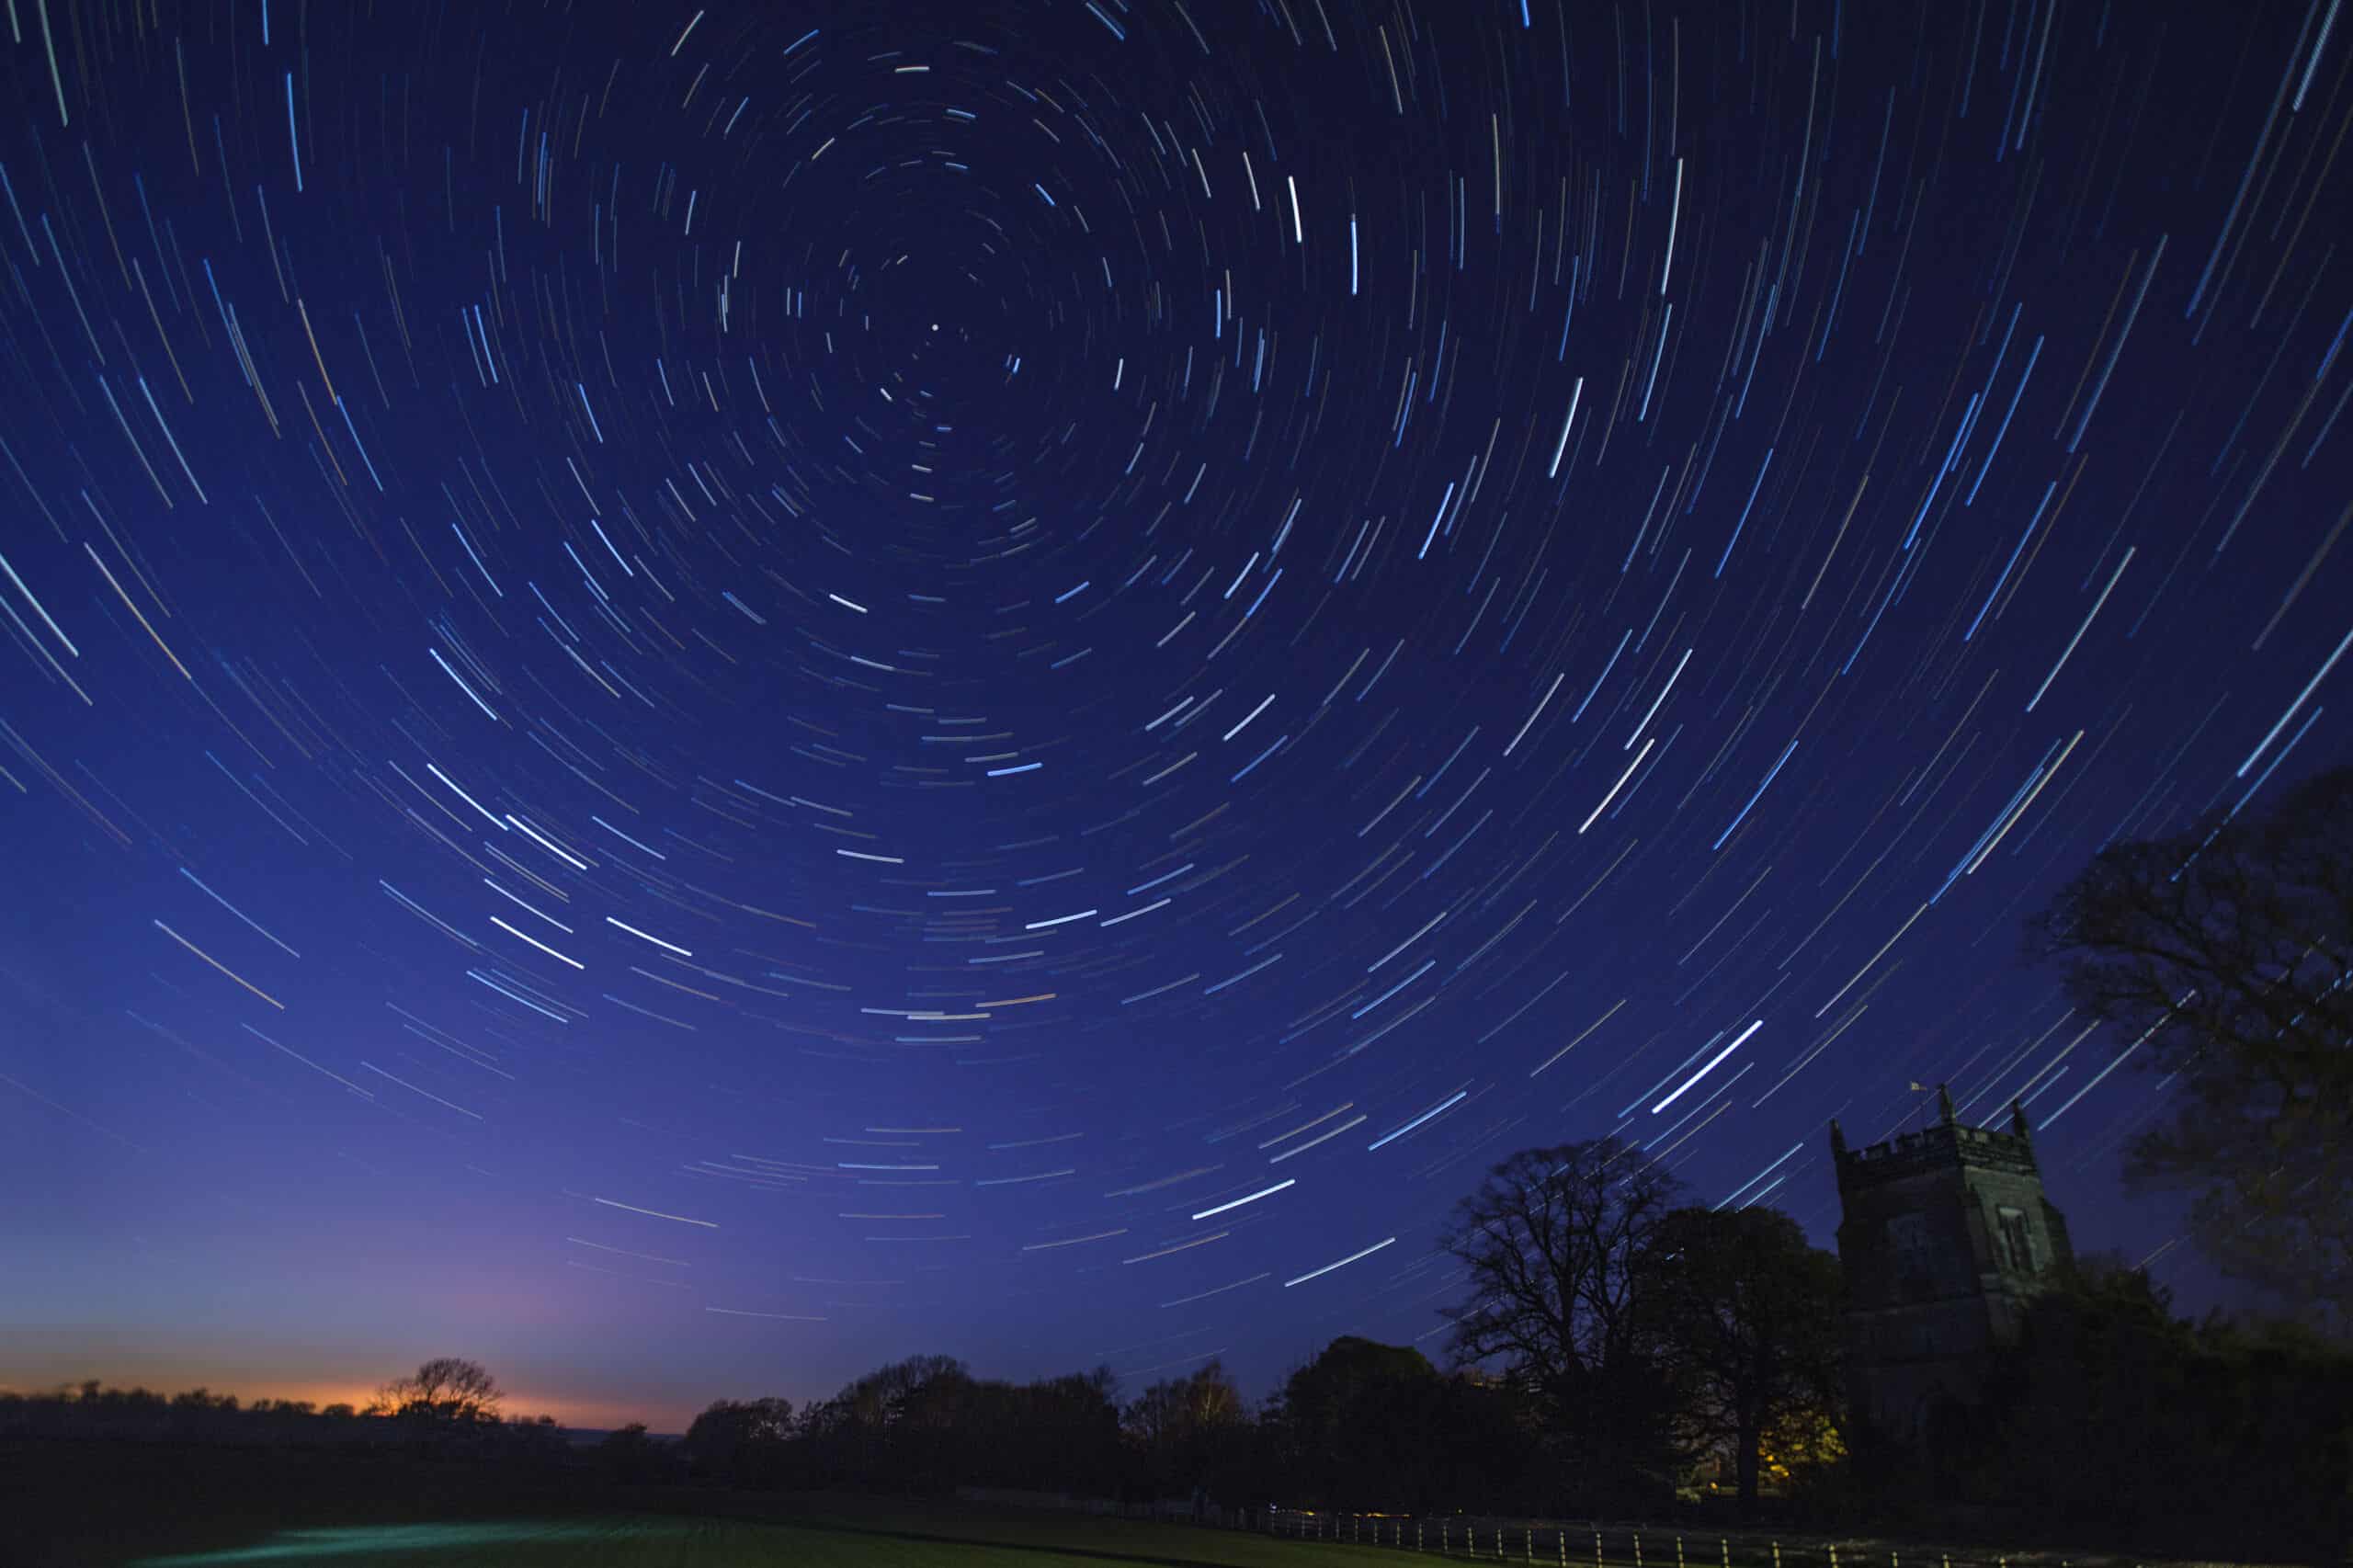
(1360, 1426)
(926, 1423)
(1746, 1313)
(1491, 1450)
(2228, 953)
(2233, 1436)
(741, 1441)
(1179, 1423)
(447, 1390)
(1060, 1434)
(862, 1436)
(629, 1455)
(929, 1424)
(1554, 1241)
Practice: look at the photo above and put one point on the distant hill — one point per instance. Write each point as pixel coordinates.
(589, 1436)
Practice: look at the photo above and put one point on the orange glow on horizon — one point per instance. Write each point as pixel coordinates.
(584, 1412)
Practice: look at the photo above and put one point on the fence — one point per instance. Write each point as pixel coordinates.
(1548, 1543)
(1560, 1545)
(1168, 1510)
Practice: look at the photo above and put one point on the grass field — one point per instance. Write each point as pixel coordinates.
(844, 1532)
(315, 1517)
(847, 1535)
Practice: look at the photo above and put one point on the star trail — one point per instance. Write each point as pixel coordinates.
(698, 697)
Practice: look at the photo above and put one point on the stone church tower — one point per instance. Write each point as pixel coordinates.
(1945, 1234)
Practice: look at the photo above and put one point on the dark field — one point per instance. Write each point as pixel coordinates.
(110, 1506)
(66, 1505)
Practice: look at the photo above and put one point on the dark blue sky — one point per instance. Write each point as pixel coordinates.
(700, 697)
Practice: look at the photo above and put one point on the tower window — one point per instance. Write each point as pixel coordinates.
(2017, 1242)
(1907, 1236)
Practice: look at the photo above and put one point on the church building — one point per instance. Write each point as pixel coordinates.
(1944, 1236)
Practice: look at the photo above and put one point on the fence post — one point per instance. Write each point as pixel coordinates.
(1530, 1542)
(1638, 1549)
(1597, 1549)
(1561, 1538)
(1418, 1532)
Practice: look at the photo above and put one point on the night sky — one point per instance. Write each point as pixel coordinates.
(700, 698)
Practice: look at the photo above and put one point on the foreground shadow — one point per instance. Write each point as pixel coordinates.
(743, 1509)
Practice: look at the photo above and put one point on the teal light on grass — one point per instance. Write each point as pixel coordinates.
(354, 1541)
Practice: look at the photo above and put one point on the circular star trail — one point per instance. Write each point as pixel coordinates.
(700, 697)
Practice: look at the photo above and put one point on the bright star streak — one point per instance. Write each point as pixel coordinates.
(1710, 1067)
(1262, 1192)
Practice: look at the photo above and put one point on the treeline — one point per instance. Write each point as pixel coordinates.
(1363, 1424)
(94, 1412)
(2232, 1436)
(2114, 1423)
(1620, 1353)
